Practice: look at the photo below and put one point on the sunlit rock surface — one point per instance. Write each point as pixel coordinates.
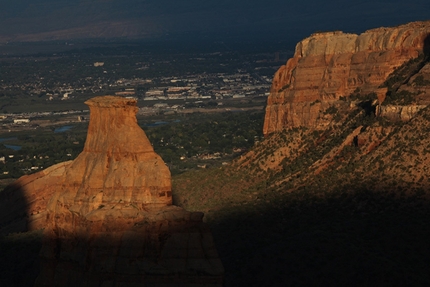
(331, 65)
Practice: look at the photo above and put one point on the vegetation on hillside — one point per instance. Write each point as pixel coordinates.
(358, 215)
(348, 205)
(401, 76)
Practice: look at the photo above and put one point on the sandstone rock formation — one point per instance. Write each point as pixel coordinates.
(110, 219)
(398, 113)
(328, 66)
(418, 84)
(23, 203)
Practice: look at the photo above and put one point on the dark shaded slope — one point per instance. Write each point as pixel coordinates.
(346, 206)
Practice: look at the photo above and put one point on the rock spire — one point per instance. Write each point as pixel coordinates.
(110, 221)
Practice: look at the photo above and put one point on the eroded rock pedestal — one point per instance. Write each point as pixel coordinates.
(111, 222)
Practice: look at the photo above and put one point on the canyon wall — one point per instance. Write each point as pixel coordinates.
(399, 113)
(328, 66)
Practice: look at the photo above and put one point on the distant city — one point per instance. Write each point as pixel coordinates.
(38, 87)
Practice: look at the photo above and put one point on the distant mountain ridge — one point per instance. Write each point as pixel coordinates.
(45, 20)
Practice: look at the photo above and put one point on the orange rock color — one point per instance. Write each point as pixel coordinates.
(327, 66)
(117, 158)
(118, 165)
(30, 195)
(109, 220)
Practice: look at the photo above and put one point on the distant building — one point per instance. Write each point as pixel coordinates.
(21, 121)
(125, 93)
(177, 89)
(161, 106)
(155, 93)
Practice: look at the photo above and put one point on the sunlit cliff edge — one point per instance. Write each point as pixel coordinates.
(333, 65)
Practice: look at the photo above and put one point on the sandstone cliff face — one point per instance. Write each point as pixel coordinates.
(418, 85)
(109, 219)
(399, 113)
(327, 66)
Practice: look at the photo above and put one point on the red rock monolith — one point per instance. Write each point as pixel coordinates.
(110, 220)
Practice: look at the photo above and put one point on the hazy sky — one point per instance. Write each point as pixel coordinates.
(242, 18)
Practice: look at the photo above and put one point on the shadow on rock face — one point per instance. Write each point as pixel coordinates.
(427, 46)
(14, 215)
(351, 238)
(167, 246)
(19, 259)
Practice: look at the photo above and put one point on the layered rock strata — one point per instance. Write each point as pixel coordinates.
(328, 66)
(110, 220)
(398, 113)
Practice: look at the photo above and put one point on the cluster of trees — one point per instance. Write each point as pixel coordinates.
(40, 150)
(216, 135)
